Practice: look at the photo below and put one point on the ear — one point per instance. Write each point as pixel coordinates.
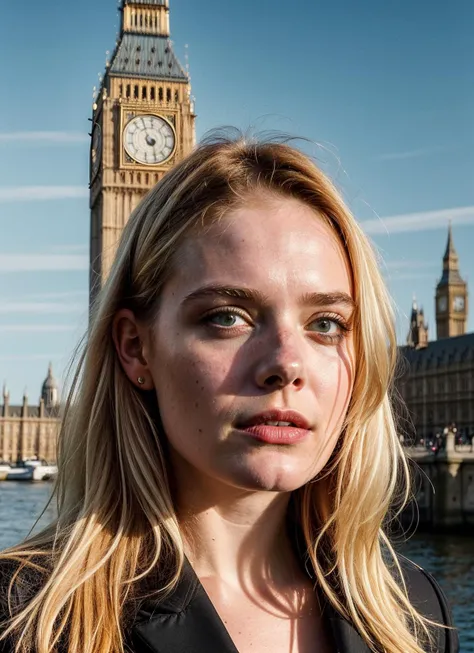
(128, 337)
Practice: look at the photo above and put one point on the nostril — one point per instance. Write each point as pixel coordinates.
(273, 380)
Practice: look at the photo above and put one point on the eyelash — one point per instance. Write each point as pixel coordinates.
(342, 324)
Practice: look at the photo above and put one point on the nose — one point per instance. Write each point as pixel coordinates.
(281, 366)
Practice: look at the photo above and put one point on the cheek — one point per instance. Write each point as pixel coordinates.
(189, 381)
(334, 386)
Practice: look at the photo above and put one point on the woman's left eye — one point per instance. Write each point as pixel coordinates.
(226, 319)
(329, 327)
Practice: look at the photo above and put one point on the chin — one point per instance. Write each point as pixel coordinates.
(271, 477)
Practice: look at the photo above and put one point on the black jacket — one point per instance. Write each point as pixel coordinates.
(187, 622)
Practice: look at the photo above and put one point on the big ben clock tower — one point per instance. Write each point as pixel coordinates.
(451, 296)
(142, 124)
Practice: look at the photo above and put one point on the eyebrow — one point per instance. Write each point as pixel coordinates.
(251, 295)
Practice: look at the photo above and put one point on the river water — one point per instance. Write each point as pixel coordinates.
(449, 558)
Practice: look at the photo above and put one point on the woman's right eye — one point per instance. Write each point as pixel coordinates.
(226, 319)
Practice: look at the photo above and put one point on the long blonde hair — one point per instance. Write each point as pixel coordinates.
(116, 521)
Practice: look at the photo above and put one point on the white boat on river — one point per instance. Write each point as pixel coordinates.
(28, 470)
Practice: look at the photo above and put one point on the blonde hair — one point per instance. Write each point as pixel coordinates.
(116, 521)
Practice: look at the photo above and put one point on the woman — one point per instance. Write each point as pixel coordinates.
(229, 455)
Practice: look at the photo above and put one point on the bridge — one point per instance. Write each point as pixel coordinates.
(444, 487)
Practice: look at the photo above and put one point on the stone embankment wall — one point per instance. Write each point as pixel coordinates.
(444, 488)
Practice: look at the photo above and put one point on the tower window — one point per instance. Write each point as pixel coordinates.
(128, 90)
(121, 90)
(152, 93)
(139, 178)
(168, 95)
(144, 93)
(160, 94)
(176, 96)
(135, 92)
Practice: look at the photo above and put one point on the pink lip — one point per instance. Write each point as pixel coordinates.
(257, 427)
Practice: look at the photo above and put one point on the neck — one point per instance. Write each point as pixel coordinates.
(240, 537)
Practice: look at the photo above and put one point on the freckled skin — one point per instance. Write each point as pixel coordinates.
(207, 378)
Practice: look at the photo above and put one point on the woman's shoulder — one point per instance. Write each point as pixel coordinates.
(427, 596)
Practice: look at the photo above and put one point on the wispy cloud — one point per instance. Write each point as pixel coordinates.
(43, 137)
(405, 264)
(36, 328)
(52, 296)
(30, 357)
(410, 276)
(424, 221)
(70, 249)
(41, 193)
(43, 262)
(40, 308)
(412, 154)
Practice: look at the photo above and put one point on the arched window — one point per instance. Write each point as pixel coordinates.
(152, 93)
(128, 90)
(135, 92)
(168, 95)
(144, 93)
(160, 94)
(139, 177)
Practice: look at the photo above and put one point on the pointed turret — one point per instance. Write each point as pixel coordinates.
(6, 401)
(450, 262)
(451, 294)
(49, 391)
(418, 332)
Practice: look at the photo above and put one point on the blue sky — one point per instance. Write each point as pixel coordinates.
(384, 90)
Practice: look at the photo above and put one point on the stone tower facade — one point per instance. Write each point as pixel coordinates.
(451, 296)
(142, 124)
(418, 332)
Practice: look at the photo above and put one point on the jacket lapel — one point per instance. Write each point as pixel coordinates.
(345, 636)
(187, 622)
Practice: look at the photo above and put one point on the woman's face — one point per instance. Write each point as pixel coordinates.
(253, 358)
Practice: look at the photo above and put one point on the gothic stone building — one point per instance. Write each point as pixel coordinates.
(30, 431)
(437, 377)
(142, 124)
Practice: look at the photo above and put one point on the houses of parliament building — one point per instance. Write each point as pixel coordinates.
(142, 124)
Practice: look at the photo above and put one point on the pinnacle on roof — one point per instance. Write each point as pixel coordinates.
(50, 381)
(450, 251)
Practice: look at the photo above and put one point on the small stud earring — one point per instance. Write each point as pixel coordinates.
(141, 380)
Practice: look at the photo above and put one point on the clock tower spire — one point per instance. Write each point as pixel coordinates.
(451, 295)
(142, 124)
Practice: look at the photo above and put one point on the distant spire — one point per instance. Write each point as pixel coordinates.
(450, 251)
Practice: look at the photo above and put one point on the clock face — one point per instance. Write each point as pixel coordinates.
(442, 304)
(96, 150)
(149, 139)
(458, 303)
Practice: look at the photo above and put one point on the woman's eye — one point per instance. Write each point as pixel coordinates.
(326, 326)
(226, 319)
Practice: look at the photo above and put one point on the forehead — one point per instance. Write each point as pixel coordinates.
(268, 243)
